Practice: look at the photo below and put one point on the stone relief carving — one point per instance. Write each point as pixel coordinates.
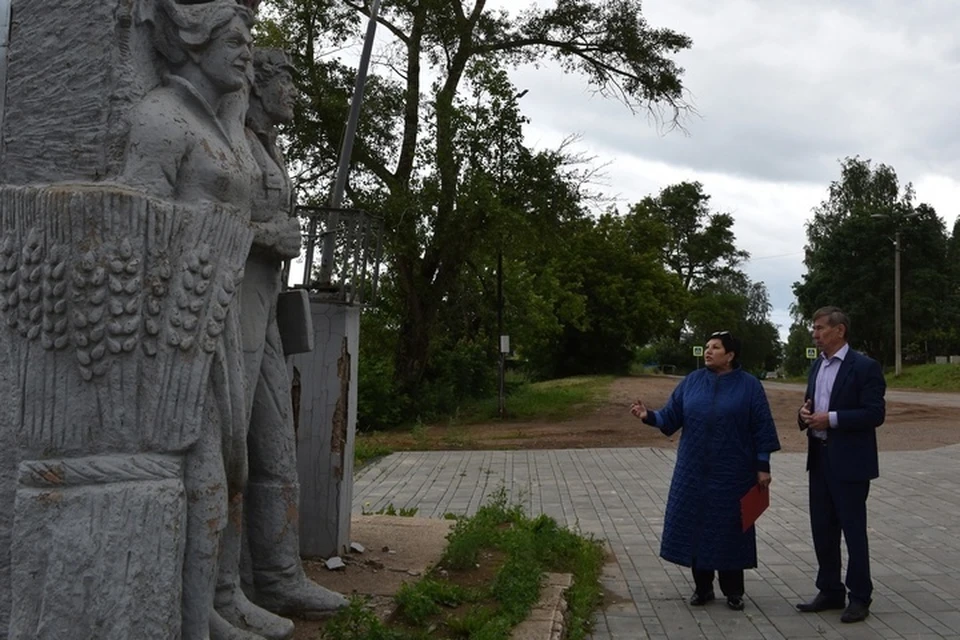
(119, 300)
(126, 469)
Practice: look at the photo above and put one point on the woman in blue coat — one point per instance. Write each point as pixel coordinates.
(728, 435)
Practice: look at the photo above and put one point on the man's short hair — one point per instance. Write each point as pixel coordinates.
(835, 316)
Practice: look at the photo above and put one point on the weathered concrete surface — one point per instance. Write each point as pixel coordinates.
(327, 425)
(398, 550)
(75, 68)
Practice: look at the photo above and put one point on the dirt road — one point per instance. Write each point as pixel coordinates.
(915, 420)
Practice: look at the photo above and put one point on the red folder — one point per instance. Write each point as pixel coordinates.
(752, 504)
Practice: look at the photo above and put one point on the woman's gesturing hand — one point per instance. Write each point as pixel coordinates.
(639, 409)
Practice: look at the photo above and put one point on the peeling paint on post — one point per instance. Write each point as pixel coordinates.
(327, 425)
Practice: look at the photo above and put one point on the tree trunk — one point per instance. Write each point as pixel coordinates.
(413, 345)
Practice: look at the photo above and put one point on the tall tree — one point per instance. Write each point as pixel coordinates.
(850, 257)
(421, 151)
(695, 243)
(699, 244)
(795, 360)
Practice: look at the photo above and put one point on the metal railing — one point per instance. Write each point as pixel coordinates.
(358, 249)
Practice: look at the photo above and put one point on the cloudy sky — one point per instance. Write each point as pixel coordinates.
(783, 90)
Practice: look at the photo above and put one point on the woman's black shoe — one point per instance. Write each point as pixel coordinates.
(700, 599)
(735, 603)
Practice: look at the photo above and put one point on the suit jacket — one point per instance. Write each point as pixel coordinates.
(857, 397)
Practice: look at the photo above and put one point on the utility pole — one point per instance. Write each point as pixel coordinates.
(896, 304)
(898, 221)
(501, 404)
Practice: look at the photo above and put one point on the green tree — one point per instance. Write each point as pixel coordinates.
(850, 258)
(795, 360)
(626, 296)
(696, 244)
(435, 136)
(734, 303)
(699, 245)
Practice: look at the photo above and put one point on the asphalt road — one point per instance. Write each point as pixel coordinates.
(928, 398)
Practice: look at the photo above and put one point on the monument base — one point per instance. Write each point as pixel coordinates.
(98, 548)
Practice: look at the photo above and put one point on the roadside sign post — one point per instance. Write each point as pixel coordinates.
(698, 353)
(811, 353)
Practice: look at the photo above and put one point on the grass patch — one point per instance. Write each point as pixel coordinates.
(487, 581)
(928, 377)
(390, 510)
(367, 447)
(549, 400)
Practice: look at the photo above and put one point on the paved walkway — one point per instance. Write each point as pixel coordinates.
(619, 495)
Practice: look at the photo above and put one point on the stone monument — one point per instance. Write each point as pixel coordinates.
(124, 228)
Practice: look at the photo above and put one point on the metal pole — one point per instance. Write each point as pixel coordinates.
(896, 308)
(501, 406)
(346, 150)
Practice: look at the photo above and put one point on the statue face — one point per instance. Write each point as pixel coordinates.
(227, 60)
(278, 96)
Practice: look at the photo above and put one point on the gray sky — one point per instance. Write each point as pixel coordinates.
(784, 91)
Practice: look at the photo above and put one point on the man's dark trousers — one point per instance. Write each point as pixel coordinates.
(839, 506)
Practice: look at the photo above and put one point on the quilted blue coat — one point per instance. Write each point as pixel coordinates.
(726, 422)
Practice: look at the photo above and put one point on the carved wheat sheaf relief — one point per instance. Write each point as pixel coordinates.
(107, 301)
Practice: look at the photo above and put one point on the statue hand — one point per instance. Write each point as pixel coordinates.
(281, 237)
(288, 238)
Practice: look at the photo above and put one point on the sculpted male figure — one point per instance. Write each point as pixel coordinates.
(273, 492)
(186, 145)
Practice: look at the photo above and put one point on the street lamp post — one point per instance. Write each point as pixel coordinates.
(897, 352)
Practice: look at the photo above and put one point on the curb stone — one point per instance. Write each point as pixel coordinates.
(546, 619)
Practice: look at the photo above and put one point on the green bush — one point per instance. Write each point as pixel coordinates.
(457, 373)
(379, 405)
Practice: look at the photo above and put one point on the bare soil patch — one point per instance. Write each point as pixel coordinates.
(396, 550)
(909, 426)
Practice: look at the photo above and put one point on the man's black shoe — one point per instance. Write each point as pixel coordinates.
(855, 612)
(822, 602)
(700, 599)
(735, 603)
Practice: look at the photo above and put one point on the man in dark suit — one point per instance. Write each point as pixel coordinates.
(842, 409)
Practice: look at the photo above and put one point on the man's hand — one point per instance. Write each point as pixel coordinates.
(763, 479)
(817, 421)
(639, 409)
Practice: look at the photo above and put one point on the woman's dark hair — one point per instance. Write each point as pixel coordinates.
(729, 342)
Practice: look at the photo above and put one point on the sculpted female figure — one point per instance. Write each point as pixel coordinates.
(187, 144)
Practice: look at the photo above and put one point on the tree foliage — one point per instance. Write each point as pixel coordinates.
(441, 156)
(695, 243)
(442, 130)
(850, 254)
(795, 362)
